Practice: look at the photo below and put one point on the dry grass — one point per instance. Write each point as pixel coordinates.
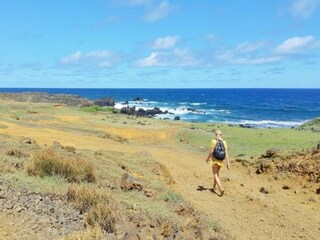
(15, 152)
(83, 197)
(102, 210)
(94, 233)
(103, 215)
(48, 162)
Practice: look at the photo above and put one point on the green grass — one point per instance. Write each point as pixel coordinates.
(95, 108)
(43, 185)
(250, 142)
(313, 125)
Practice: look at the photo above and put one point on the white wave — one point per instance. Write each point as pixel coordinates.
(185, 110)
(271, 123)
(120, 105)
(197, 104)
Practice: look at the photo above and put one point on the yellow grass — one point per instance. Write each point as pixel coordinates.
(47, 162)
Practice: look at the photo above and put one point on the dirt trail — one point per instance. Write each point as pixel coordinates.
(244, 211)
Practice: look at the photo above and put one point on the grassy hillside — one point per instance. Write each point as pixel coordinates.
(82, 156)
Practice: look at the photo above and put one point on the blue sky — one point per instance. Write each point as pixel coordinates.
(160, 43)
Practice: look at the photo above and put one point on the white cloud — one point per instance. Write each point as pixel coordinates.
(151, 61)
(296, 44)
(244, 54)
(304, 8)
(185, 57)
(103, 58)
(248, 47)
(72, 58)
(256, 61)
(165, 42)
(177, 58)
(99, 54)
(158, 12)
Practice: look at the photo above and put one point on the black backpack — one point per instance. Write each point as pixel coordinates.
(219, 151)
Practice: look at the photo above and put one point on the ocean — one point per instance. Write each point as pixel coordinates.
(260, 108)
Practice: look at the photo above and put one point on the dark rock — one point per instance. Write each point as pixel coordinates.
(264, 190)
(286, 187)
(318, 191)
(245, 126)
(149, 192)
(130, 183)
(176, 118)
(128, 110)
(138, 99)
(263, 167)
(103, 102)
(141, 112)
(27, 140)
(271, 153)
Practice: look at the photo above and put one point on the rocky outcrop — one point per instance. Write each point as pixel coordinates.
(141, 112)
(104, 102)
(43, 217)
(129, 182)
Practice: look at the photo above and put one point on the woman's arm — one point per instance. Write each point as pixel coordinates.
(227, 158)
(209, 155)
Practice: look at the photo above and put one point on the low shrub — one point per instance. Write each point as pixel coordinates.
(49, 163)
(103, 215)
(101, 209)
(83, 197)
(15, 152)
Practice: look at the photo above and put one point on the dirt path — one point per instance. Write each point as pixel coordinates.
(244, 211)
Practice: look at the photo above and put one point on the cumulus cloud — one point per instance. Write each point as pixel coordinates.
(103, 58)
(178, 57)
(158, 12)
(151, 61)
(297, 45)
(72, 58)
(304, 8)
(247, 47)
(165, 42)
(230, 57)
(99, 54)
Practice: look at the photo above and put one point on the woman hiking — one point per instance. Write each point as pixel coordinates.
(217, 153)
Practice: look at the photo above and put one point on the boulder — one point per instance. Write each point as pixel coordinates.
(129, 182)
(138, 99)
(128, 110)
(104, 102)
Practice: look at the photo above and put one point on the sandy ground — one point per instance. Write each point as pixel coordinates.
(243, 211)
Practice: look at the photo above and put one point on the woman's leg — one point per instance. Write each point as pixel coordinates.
(215, 170)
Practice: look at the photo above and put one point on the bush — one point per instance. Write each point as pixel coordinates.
(104, 216)
(15, 152)
(83, 197)
(101, 209)
(49, 163)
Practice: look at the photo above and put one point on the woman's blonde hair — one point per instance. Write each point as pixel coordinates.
(218, 132)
